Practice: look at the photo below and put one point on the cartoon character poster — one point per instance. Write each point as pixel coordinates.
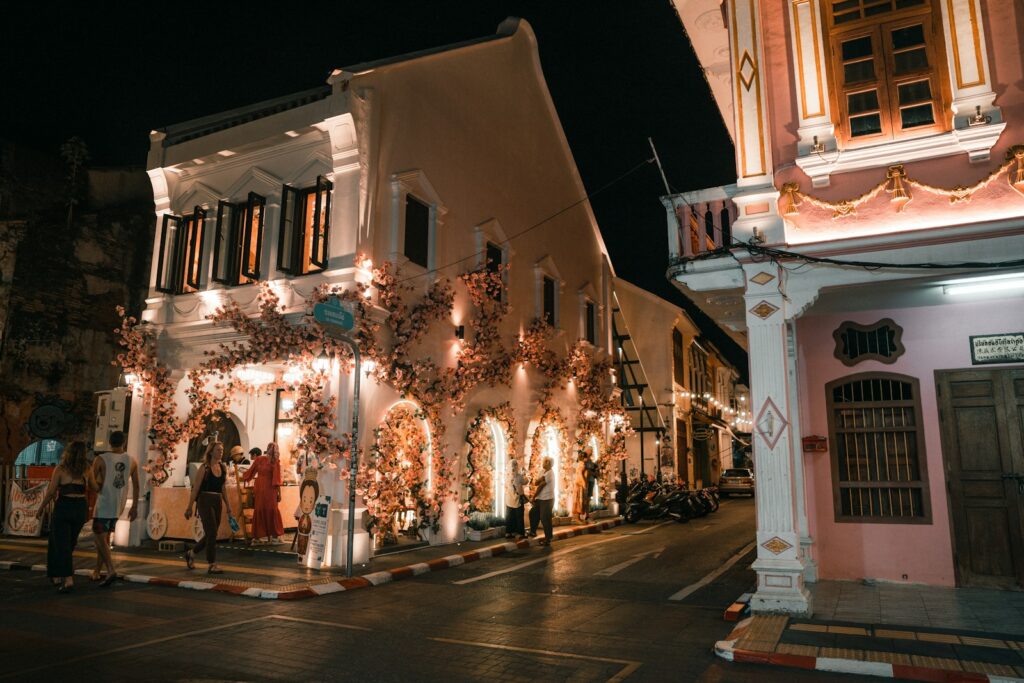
(22, 503)
(309, 492)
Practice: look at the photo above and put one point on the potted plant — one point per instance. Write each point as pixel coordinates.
(482, 526)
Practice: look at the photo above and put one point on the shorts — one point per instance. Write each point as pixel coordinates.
(104, 525)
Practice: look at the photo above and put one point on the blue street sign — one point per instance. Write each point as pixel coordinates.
(333, 313)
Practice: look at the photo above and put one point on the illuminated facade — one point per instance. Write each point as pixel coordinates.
(381, 165)
(879, 181)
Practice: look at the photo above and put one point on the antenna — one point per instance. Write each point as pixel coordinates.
(657, 160)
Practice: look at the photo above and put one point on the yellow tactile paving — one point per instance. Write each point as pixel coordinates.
(890, 633)
(983, 642)
(987, 668)
(848, 630)
(947, 638)
(816, 628)
(804, 650)
(842, 653)
(936, 663)
(887, 657)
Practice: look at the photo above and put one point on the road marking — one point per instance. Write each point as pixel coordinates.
(185, 634)
(629, 665)
(694, 587)
(614, 569)
(647, 531)
(702, 528)
(552, 556)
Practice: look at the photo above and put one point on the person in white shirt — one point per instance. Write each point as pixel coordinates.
(544, 501)
(111, 473)
(514, 524)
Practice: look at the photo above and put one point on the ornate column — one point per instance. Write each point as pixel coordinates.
(807, 45)
(780, 570)
(799, 487)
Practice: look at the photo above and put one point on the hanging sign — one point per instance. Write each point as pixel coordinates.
(22, 504)
(701, 433)
(333, 313)
(997, 348)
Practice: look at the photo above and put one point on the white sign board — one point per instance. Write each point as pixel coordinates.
(997, 348)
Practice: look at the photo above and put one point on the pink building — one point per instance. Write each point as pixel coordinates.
(871, 252)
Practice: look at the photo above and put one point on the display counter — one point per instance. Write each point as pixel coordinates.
(167, 512)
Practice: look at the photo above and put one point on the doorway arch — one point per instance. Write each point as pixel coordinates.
(220, 426)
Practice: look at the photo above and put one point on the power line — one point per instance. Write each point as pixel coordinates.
(539, 223)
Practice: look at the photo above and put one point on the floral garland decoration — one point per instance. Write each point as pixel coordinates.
(481, 455)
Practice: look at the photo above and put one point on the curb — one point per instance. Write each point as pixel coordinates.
(365, 581)
(726, 650)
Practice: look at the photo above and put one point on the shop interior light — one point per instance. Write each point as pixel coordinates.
(254, 376)
(293, 375)
(992, 283)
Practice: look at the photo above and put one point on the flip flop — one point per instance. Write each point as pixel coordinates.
(190, 560)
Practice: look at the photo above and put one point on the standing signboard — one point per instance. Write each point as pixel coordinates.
(22, 504)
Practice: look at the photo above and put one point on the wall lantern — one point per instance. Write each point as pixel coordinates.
(460, 333)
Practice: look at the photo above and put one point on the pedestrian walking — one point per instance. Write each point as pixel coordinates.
(111, 472)
(266, 517)
(207, 496)
(580, 503)
(68, 485)
(514, 501)
(592, 472)
(544, 502)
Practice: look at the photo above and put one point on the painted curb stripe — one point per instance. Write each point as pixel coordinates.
(364, 581)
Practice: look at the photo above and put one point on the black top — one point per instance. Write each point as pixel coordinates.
(71, 489)
(212, 483)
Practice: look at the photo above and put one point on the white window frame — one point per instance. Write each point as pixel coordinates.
(545, 267)
(491, 231)
(403, 184)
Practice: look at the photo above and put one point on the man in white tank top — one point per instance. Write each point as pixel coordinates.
(111, 472)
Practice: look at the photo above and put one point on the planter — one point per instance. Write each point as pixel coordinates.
(486, 534)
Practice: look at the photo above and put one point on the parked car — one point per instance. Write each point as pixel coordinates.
(736, 480)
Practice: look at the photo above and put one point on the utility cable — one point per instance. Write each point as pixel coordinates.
(539, 223)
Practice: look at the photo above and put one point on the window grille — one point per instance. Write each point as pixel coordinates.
(879, 471)
(882, 341)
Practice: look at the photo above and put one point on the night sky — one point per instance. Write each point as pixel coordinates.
(618, 72)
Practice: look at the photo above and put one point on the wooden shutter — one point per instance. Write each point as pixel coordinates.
(225, 269)
(288, 237)
(321, 223)
(167, 257)
(252, 236)
(193, 262)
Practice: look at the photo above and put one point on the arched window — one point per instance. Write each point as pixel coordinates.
(500, 464)
(879, 469)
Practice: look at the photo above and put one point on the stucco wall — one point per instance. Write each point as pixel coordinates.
(935, 338)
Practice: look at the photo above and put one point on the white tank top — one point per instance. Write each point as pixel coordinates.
(114, 492)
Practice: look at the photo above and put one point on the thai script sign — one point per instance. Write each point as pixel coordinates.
(997, 348)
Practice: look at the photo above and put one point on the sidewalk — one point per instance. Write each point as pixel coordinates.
(261, 572)
(920, 633)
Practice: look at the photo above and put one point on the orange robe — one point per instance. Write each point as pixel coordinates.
(266, 518)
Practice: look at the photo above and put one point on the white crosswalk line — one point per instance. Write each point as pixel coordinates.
(694, 587)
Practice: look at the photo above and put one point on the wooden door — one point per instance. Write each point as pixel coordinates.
(982, 415)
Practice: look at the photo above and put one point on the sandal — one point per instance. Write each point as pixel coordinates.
(214, 569)
(65, 588)
(190, 559)
(111, 578)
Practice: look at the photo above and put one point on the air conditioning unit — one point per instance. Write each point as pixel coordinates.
(113, 410)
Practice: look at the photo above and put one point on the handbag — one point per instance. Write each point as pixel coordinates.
(233, 523)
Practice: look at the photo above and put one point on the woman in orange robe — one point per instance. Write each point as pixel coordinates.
(266, 522)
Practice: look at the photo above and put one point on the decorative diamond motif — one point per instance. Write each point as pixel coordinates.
(776, 545)
(747, 70)
(771, 423)
(763, 278)
(764, 310)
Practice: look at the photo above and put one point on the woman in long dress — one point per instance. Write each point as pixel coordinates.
(266, 518)
(579, 499)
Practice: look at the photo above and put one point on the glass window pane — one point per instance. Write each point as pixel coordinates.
(919, 91)
(908, 36)
(902, 4)
(921, 115)
(309, 217)
(417, 231)
(880, 8)
(849, 16)
(843, 5)
(863, 101)
(865, 125)
(856, 48)
(911, 61)
(858, 72)
(549, 301)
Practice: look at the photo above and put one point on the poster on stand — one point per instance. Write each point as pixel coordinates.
(312, 526)
(22, 504)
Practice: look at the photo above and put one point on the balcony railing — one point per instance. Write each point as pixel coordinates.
(700, 221)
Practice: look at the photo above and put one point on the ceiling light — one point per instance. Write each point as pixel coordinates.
(993, 283)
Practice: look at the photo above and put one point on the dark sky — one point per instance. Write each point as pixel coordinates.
(618, 72)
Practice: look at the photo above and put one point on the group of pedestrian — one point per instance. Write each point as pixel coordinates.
(543, 497)
(72, 480)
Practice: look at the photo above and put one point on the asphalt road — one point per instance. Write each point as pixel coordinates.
(639, 603)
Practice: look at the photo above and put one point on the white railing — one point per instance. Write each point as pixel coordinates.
(699, 221)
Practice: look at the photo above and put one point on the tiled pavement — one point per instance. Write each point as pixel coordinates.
(910, 632)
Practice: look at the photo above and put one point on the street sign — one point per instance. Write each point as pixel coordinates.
(333, 313)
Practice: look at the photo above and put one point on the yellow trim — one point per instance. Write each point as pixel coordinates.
(800, 59)
(756, 80)
(956, 46)
(759, 94)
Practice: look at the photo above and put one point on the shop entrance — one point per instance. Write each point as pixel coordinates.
(219, 427)
(702, 441)
(982, 420)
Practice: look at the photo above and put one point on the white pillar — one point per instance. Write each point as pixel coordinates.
(799, 488)
(746, 43)
(808, 49)
(138, 447)
(780, 570)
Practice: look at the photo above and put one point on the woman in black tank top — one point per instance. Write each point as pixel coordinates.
(207, 495)
(69, 513)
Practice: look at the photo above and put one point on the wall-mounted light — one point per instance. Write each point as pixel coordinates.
(992, 283)
(460, 332)
(127, 379)
(322, 362)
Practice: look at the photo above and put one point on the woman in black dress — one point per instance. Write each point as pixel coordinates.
(69, 513)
